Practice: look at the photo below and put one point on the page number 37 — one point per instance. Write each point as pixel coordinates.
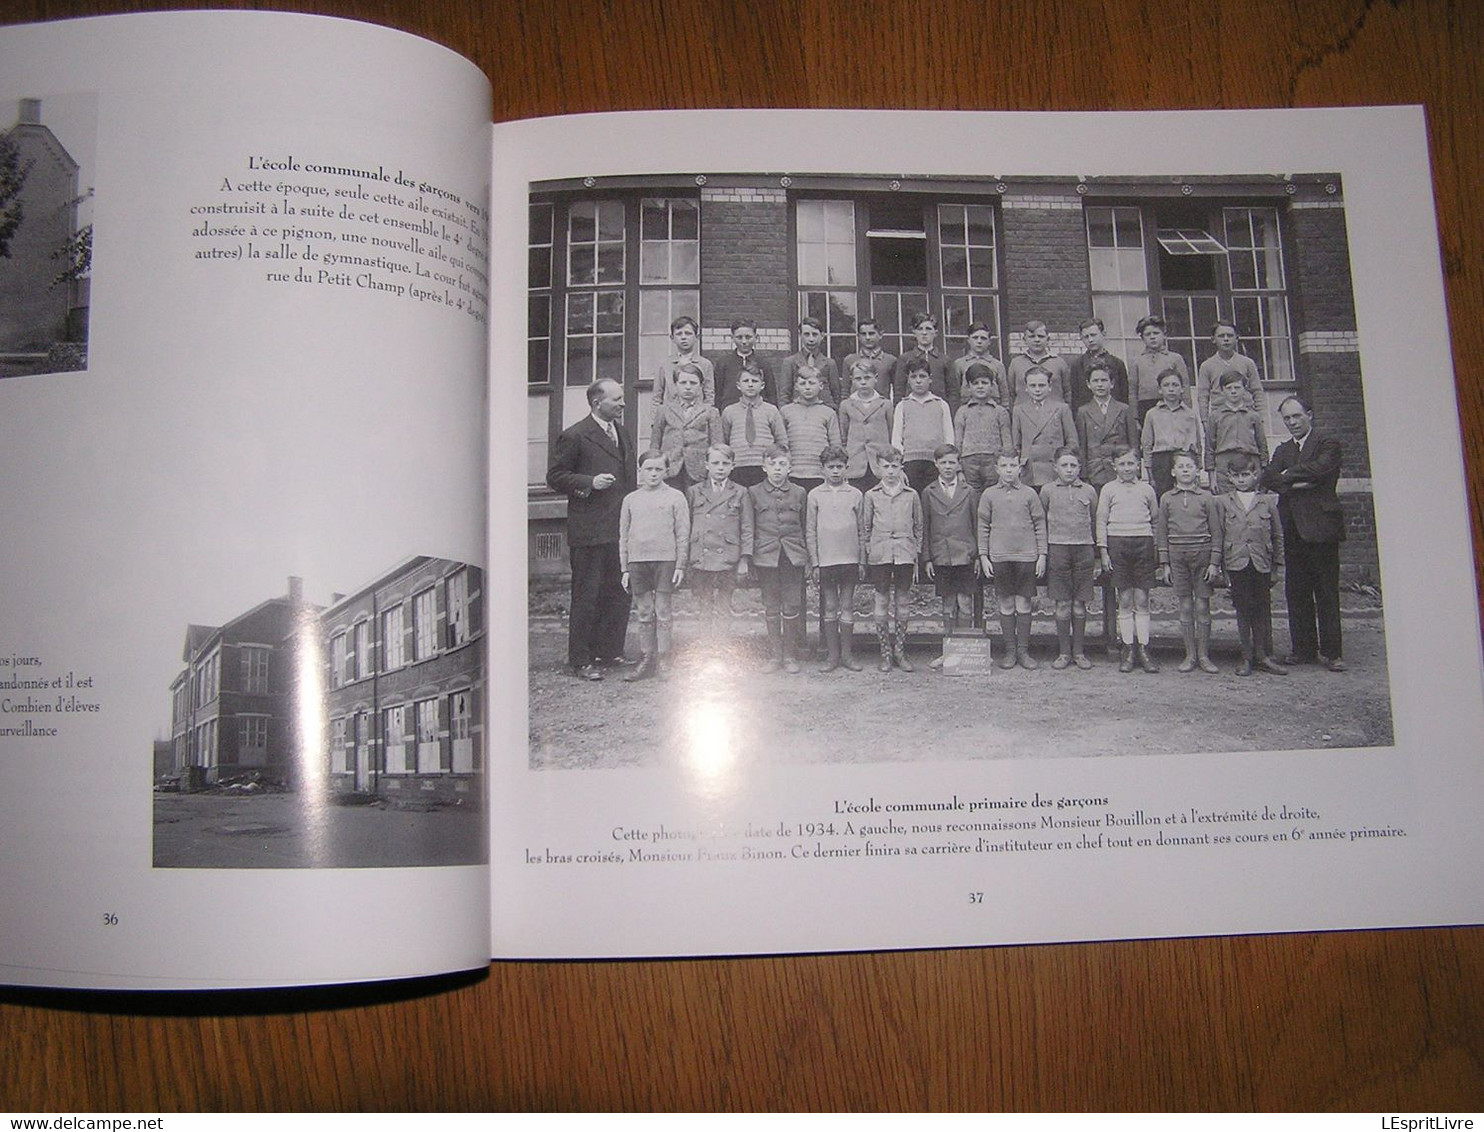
(976, 898)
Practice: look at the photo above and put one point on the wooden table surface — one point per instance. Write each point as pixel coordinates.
(1389, 1020)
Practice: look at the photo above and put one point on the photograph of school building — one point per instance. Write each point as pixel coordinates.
(613, 260)
(46, 241)
(373, 699)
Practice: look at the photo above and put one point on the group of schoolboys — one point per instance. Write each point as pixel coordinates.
(973, 469)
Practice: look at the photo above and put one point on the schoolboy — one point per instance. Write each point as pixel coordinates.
(742, 356)
(868, 338)
(1095, 355)
(750, 426)
(1188, 539)
(773, 542)
(1208, 374)
(1071, 559)
(653, 545)
(865, 424)
(925, 351)
(1233, 429)
(1252, 556)
(810, 358)
(1104, 424)
(833, 516)
(1036, 354)
(1147, 367)
(950, 510)
(977, 353)
(684, 428)
(1011, 537)
(920, 422)
(891, 542)
(1127, 513)
(719, 510)
(812, 426)
(686, 337)
(1039, 426)
(1170, 428)
(981, 428)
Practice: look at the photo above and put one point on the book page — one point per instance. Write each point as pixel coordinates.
(1002, 768)
(241, 394)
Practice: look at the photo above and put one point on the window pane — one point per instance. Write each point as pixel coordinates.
(685, 262)
(1133, 271)
(654, 313)
(685, 220)
(654, 221)
(1177, 313)
(951, 228)
(582, 268)
(981, 267)
(580, 314)
(539, 272)
(811, 264)
(654, 262)
(1127, 227)
(610, 313)
(610, 220)
(839, 222)
(538, 316)
(981, 225)
(579, 361)
(955, 266)
(540, 224)
(810, 221)
(1100, 228)
(1244, 272)
(841, 269)
(1103, 267)
(610, 357)
(538, 362)
(610, 263)
(901, 262)
(582, 222)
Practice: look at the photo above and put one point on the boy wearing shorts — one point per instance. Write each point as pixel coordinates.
(832, 536)
(653, 544)
(891, 542)
(950, 508)
(1127, 512)
(719, 509)
(1071, 535)
(1188, 538)
(1011, 536)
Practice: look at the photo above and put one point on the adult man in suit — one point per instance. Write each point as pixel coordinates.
(593, 466)
(1304, 471)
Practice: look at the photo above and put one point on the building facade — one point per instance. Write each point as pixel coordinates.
(405, 684)
(232, 706)
(614, 260)
(39, 316)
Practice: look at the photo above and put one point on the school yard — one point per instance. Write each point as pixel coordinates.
(718, 700)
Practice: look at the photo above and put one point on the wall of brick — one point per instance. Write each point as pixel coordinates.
(745, 263)
(1045, 267)
(33, 313)
(1319, 266)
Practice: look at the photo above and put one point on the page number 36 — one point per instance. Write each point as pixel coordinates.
(110, 919)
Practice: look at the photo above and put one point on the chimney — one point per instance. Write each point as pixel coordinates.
(296, 590)
(30, 112)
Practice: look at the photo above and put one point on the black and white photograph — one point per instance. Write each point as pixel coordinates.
(46, 232)
(342, 734)
(858, 468)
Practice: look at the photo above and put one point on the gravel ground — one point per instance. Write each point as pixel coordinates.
(718, 701)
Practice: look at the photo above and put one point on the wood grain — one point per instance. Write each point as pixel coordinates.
(1361, 1020)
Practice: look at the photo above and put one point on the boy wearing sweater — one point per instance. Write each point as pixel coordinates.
(921, 423)
(1011, 536)
(653, 544)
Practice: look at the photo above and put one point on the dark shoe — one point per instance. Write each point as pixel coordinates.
(1245, 668)
(613, 662)
(648, 667)
(587, 672)
(883, 639)
(1294, 658)
(1146, 661)
(1268, 664)
(899, 650)
(847, 646)
(1334, 664)
(1126, 665)
(1188, 664)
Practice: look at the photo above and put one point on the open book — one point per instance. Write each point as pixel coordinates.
(292, 339)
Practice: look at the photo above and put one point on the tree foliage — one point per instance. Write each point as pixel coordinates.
(12, 180)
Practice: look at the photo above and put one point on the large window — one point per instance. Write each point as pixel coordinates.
(208, 678)
(254, 669)
(394, 730)
(340, 752)
(1194, 261)
(892, 257)
(428, 761)
(460, 715)
(361, 636)
(252, 740)
(425, 624)
(459, 629)
(392, 652)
